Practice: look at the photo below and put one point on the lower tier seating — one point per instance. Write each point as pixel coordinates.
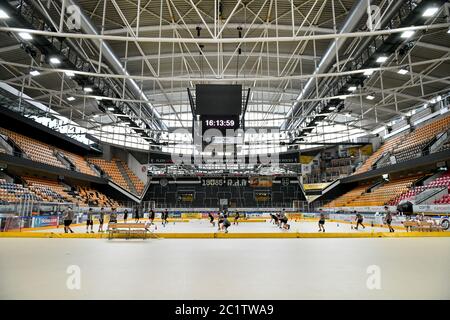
(382, 195)
(441, 182)
(12, 193)
(344, 199)
(51, 191)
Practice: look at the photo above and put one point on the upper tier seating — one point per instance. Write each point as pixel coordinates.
(111, 168)
(34, 149)
(416, 141)
(80, 163)
(44, 153)
(387, 146)
(407, 146)
(138, 184)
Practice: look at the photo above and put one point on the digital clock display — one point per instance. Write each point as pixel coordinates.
(221, 123)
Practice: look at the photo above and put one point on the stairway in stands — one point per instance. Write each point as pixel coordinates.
(123, 171)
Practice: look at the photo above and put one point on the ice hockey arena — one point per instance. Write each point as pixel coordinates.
(224, 149)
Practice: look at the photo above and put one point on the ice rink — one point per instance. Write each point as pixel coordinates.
(203, 226)
(410, 268)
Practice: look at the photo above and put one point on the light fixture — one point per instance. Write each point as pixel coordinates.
(55, 60)
(332, 108)
(34, 73)
(448, 31)
(369, 72)
(111, 108)
(3, 14)
(352, 88)
(70, 74)
(382, 59)
(25, 36)
(88, 89)
(430, 12)
(71, 98)
(402, 71)
(407, 34)
(370, 97)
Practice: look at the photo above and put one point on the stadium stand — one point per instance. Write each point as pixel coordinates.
(415, 142)
(34, 149)
(79, 162)
(53, 191)
(386, 147)
(94, 197)
(49, 190)
(408, 146)
(383, 194)
(119, 172)
(44, 153)
(347, 197)
(441, 182)
(12, 192)
(378, 196)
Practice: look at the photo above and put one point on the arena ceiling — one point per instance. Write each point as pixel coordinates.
(287, 52)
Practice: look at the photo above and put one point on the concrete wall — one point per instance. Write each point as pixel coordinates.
(133, 164)
(136, 167)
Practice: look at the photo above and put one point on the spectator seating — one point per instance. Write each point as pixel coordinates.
(441, 182)
(138, 184)
(408, 146)
(12, 193)
(382, 195)
(111, 168)
(444, 200)
(80, 163)
(359, 197)
(52, 191)
(387, 146)
(34, 149)
(44, 153)
(418, 139)
(49, 190)
(344, 199)
(93, 197)
(445, 146)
